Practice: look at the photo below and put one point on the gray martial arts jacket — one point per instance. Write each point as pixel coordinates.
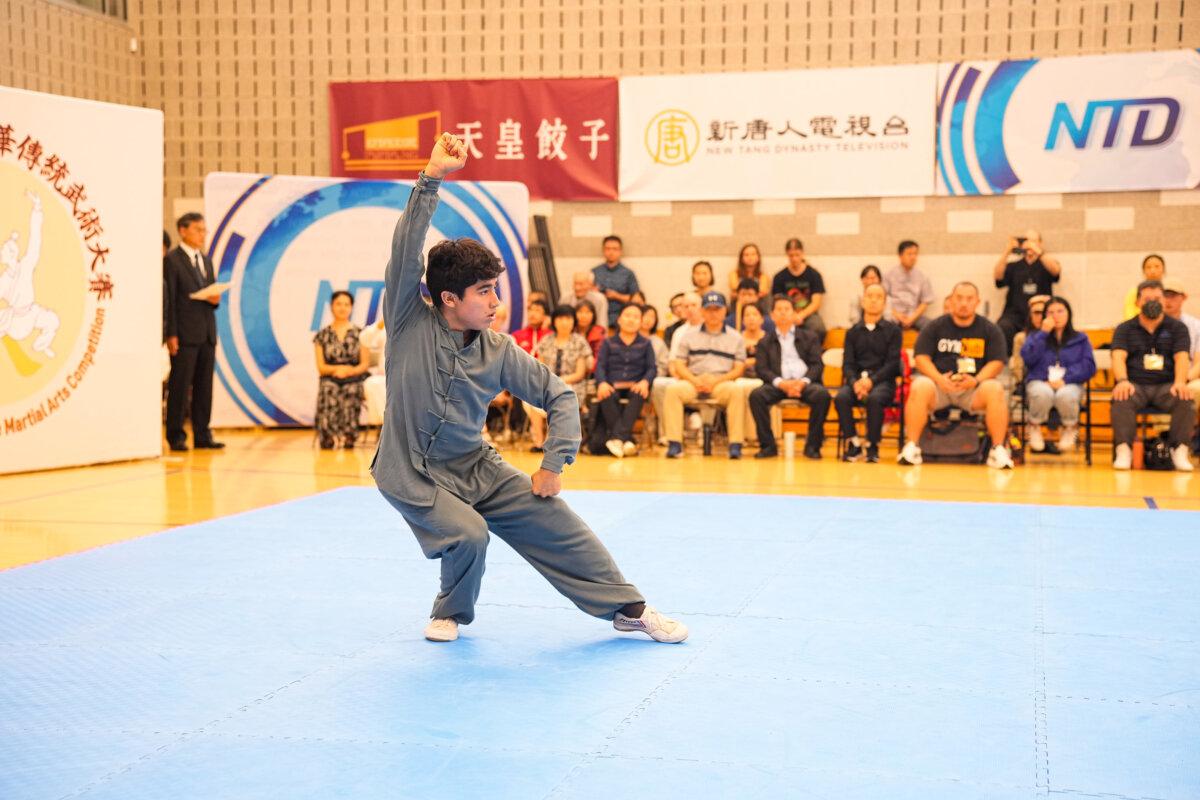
(438, 391)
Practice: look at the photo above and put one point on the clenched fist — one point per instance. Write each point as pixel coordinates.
(449, 155)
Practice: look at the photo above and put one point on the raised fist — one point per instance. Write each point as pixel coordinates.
(449, 155)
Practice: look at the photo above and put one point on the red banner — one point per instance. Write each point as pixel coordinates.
(558, 136)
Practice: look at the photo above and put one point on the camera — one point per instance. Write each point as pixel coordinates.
(1019, 250)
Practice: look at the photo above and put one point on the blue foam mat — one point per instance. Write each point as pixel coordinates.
(839, 648)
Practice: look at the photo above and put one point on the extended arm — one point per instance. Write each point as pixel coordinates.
(406, 265)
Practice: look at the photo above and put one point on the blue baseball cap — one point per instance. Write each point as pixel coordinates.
(712, 299)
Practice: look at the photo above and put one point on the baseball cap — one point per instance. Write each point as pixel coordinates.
(1173, 285)
(713, 299)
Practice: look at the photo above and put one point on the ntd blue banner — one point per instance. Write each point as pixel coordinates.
(1084, 124)
(287, 243)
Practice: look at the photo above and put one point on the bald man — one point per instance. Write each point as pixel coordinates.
(583, 285)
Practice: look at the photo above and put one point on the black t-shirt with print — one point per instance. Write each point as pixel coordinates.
(800, 287)
(1024, 280)
(945, 342)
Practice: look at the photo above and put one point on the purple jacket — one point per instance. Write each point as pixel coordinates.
(1075, 355)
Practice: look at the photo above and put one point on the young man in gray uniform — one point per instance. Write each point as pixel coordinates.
(444, 365)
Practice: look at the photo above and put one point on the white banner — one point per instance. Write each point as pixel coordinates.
(80, 281)
(1082, 124)
(811, 133)
(288, 243)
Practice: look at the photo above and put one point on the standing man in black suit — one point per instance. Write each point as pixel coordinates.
(191, 331)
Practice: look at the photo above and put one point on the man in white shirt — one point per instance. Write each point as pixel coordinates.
(693, 319)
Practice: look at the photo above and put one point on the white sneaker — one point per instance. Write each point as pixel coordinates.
(1000, 458)
(441, 630)
(614, 447)
(911, 454)
(1123, 457)
(695, 423)
(1181, 458)
(630, 448)
(1033, 433)
(1068, 438)
(654, 625)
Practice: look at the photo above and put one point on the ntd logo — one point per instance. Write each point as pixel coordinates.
(1079, 133)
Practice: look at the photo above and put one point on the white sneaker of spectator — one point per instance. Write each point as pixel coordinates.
(1000, 458)
(614, 447)
(629, 448)
(910, 454)
(695, 422)
(1181, 458)
(1123, 457)
(1068, 438)
(1034, 435)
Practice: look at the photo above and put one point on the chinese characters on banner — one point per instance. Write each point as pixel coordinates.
(559, 137)
(813, 133)
(80, 281)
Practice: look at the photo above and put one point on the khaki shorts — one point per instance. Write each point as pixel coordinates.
(947, 399)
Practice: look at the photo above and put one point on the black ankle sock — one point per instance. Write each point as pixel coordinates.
(634, 610)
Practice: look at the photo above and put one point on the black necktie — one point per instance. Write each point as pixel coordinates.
(200, 268)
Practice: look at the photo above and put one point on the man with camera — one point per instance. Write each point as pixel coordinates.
(1030, 274)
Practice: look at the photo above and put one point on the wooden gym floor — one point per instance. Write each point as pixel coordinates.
(49, 514)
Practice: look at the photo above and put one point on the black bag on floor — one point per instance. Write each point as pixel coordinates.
(1157, 453)
(954, 441)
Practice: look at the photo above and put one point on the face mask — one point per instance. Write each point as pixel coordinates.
(1152, 309)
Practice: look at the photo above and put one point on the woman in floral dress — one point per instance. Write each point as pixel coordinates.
(342, 364)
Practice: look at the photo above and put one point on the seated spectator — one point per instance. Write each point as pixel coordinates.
(625, 371)
(804, 285)
(342, 366)
(747, 295)
(615, 280)
(537, 314)
(374, 339)
(1150, 365)
(676, 308)
(1174, 296)
(749, 266)
(566, 353)
(958, 357)
(690, 320)
(909, 291)
(1154, 268)
(1059, 363)
(502, 412)
(870, 365)
(583, 287)
(587, 327)
(753, 331)
(709, 362)
(1033, 322)
(790, 366)
(702, 277)
(649, 329)
(869, 277)
(1031, 273)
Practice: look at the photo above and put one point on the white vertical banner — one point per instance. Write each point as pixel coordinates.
(286, 243)
(808, 133)
(80, 281)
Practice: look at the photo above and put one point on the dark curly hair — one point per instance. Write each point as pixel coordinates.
(457, 264)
